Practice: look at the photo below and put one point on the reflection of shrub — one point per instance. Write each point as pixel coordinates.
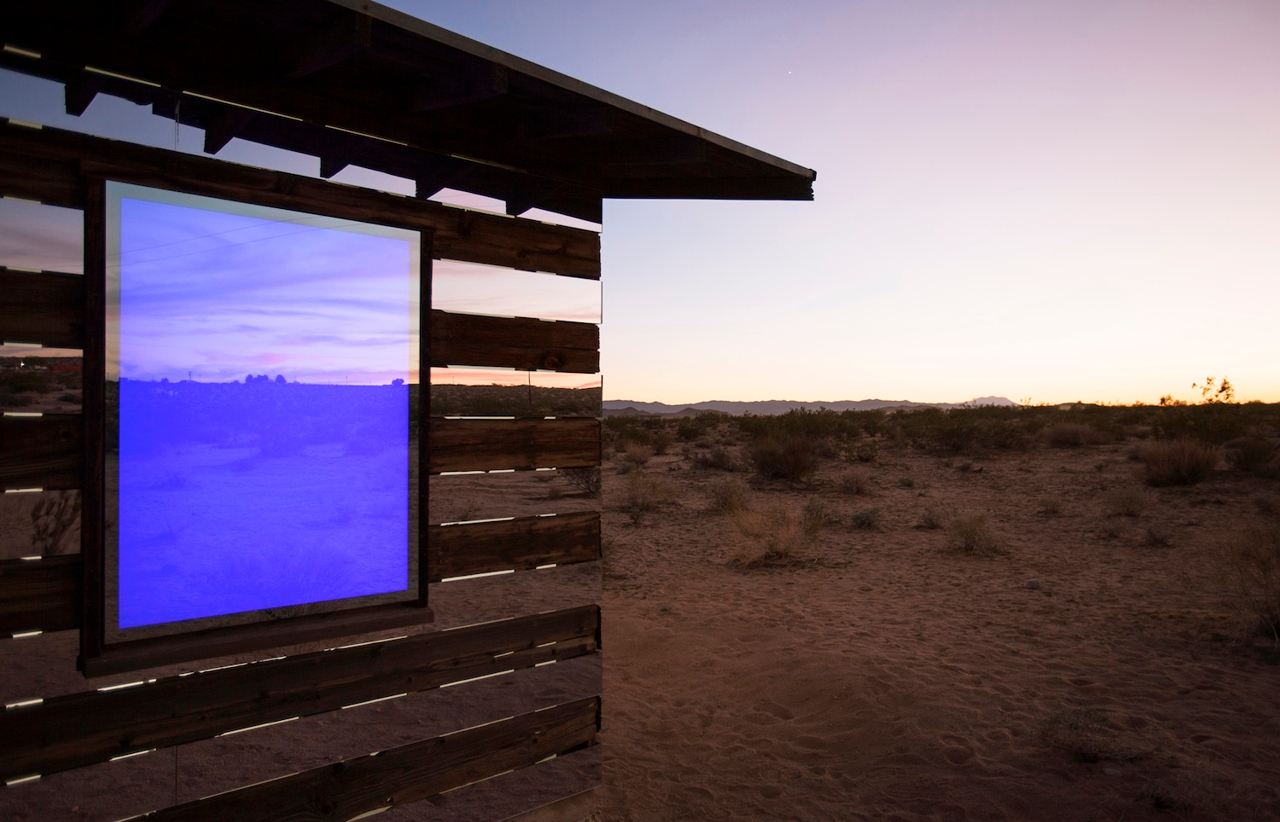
(52, 517)
(792, 459)
(1177, 462)
(583, 480)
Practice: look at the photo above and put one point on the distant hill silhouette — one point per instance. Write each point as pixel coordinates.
(766, 408)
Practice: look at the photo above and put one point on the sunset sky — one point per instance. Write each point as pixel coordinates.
(1048, 201)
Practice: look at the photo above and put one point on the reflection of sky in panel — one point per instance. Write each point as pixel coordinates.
(482, 289)
(41, 237)
(499, 376)
(223, 295)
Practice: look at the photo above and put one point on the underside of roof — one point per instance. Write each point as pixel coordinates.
(355, 83)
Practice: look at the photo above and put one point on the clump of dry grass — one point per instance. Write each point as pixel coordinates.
(866, 452)
(642, 494)
(1050, 506)
(778, 538)
(1087, 735)
(730, 495)
(971, 533)
(856, 482)
(932, 518)
(1255, 563)
(635, 456)
(794, 458)
(1126, 501)
(867, 519)
(718, 458)
(1177, 462)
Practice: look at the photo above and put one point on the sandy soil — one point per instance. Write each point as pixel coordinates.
(1093, 666)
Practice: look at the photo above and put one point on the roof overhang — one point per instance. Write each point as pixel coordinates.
(356, 83)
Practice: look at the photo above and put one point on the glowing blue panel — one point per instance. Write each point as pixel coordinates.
(259, 367)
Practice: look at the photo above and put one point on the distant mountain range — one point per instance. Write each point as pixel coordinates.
(765, 408)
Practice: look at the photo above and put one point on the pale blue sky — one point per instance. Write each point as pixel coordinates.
(1060, 200)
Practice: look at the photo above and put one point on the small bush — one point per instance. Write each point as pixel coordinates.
(793, 459)
(1256, 566)
(1177, 462)
(718, 458)
(643, 494)
(1251, 454)
(817, 515)
(730, 495)
(1050, 506)
(856, 483)
(866, 452)
(867, 519)
(971, 534)
(1129, 501)
(932, 518)
(1071, 435)
(1157, 535)
(907, 482)
(777, 537)
(660, 440)
(635, 456)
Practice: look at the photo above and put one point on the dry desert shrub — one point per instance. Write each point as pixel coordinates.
(856, 482)
(585, 481)
(818, 514)
(1177, 462)
(866, 452)
(932, 518)
(718, 458)
(635, 456)
(1050, 506)
(794, 458)
(777, 537)
(867, 519)
(730, 495)
(643, 494)
(1127, 501)
(1071, 435)
(971, 533)
(1256, 568)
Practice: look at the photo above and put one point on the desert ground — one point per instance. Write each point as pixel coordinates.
(1086, 652)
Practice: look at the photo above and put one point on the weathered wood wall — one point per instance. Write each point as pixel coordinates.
(327, 729)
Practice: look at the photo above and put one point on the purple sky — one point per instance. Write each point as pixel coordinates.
(1057, 200)
(224, 293)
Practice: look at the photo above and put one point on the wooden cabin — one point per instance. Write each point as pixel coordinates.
(473, 693)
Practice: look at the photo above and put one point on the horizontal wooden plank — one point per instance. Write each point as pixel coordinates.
(42, 307)
(40, 595)
(573, 808)
(42, 452)
(505, 342)
(406, 774)
(49, 165)
(487, 445)
(524, 543)
(80, 729)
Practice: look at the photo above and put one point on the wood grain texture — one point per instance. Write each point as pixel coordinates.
(63, 160)
(487, 445)
(524, 344)
(80, 729)
(42, 452)
(40, 595)
(402, 775)
(520, 544)
(42, 307)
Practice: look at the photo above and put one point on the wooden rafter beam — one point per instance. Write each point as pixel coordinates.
(329, 45)
(139, 15)
(461, 87)
(80, 92)
(225, 126)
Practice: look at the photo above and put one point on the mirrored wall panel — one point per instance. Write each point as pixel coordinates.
(260, 457)
(505, 292)
(41, 237)
(492, 392)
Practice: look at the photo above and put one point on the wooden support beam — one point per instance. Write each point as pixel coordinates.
(140, 14)
(431, 177)
(460, 87)
(80, 729)
(49, 165)
(225, 126)
(79, 92)
(344, 152)
(400, 776)
(42, 452)
(346, 36)
(514, 342)
(45, 307)
(521, 544)
(488, 445)
(40, 595)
